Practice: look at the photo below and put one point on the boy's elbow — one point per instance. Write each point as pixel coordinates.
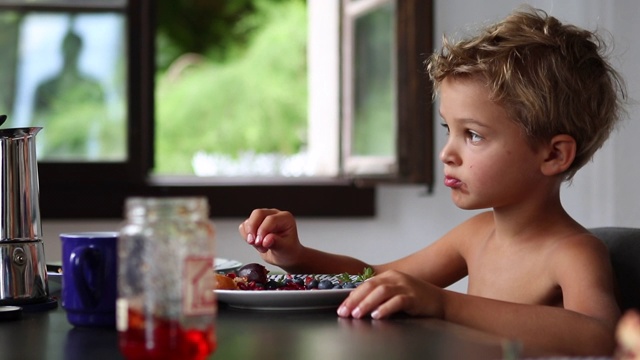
(606, 346)
(592, 341)
(600, 342)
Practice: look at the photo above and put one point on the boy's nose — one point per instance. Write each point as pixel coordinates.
(448, 155)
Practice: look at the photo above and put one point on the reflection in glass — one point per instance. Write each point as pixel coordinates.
(374, 131)
(70, 80)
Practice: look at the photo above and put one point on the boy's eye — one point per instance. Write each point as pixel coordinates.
(474, 137)
(444, 125)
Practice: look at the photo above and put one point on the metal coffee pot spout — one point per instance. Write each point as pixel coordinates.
(23, 274)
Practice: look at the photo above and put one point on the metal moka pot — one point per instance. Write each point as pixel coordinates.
(23, 269)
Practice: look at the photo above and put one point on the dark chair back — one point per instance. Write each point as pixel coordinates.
(624, 249)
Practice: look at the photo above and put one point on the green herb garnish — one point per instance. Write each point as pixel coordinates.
(366, 274)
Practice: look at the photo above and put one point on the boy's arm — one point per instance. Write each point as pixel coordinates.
(274, 234)
(584, 326)
(314, 261)
(543, 330)
(440, 263)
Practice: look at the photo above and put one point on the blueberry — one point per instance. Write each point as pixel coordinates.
(325, 284)
(272, 285)
(349, 285)
(313, 284)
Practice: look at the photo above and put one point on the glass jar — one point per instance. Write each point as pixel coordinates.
(166, 306)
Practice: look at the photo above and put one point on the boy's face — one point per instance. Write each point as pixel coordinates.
(487, 162)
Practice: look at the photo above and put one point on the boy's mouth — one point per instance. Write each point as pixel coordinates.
(452, 182)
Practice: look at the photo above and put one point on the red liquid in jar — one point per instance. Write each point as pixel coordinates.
(170, 341)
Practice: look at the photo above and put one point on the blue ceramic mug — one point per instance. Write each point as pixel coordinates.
(89, 278)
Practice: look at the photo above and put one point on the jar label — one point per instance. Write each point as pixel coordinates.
(199, 283)
(122, 315)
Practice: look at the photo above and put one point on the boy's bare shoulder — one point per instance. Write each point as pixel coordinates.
(477, 226)
(579, 242)
(479, 221)
(578, 252)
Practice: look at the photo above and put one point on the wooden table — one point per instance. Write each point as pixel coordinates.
(266, 335)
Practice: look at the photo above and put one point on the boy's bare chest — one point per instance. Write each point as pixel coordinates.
(514, 276)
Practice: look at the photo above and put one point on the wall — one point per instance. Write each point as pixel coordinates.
(604, 193)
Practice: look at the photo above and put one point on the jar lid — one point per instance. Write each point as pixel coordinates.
(12, 133)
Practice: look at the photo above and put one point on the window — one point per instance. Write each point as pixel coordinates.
(79, 179)
(392, 85)
(369, 83)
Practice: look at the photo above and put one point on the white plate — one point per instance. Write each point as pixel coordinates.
(284, 299)
(55, 276)
(226, 265)
(54, 280)
(221, 264)
(55, 266)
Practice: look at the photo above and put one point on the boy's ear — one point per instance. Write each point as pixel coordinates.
(559, 154)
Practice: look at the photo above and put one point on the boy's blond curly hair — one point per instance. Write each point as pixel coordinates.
(551, 78)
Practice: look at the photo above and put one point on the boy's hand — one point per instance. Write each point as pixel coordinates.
(274, 234)
(392, 292)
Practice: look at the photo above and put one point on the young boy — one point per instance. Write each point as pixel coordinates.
(525, 103)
